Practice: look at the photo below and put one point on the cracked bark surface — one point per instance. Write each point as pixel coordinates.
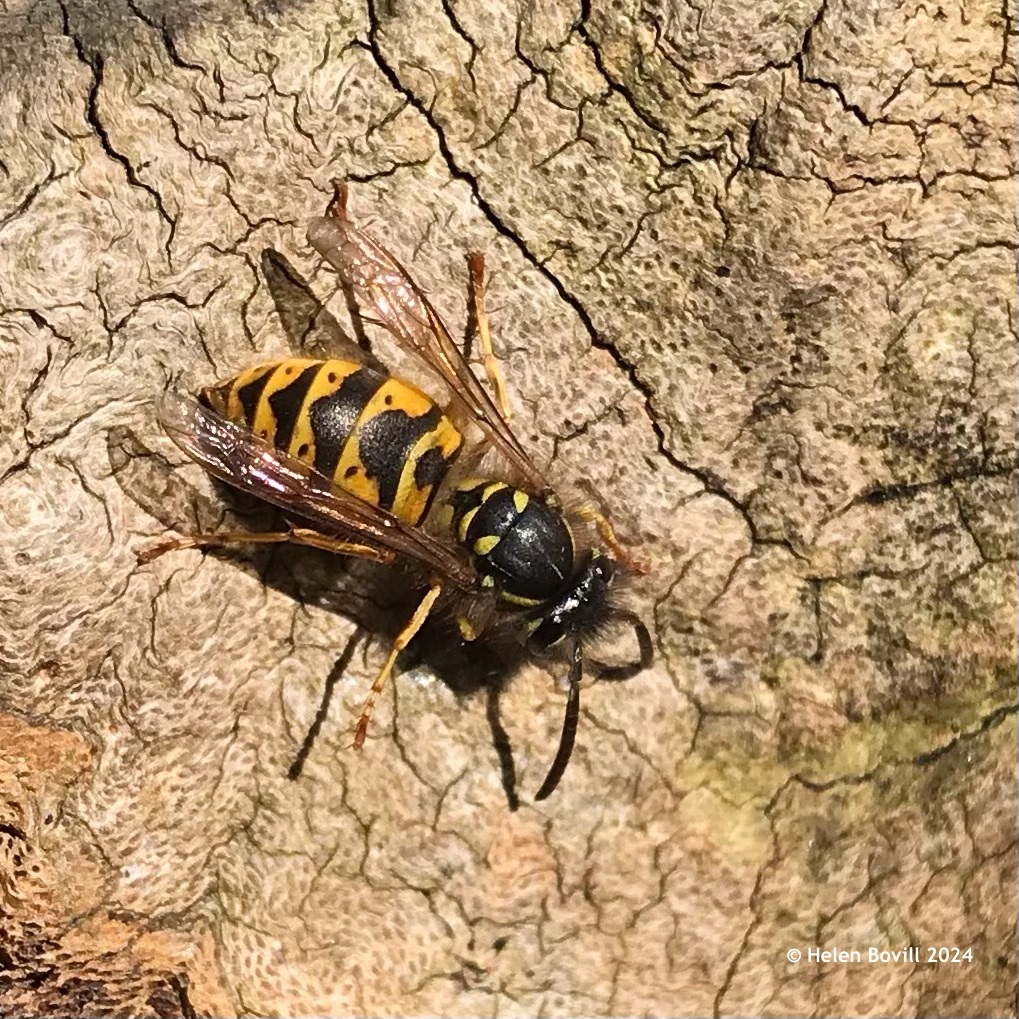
(755, 280)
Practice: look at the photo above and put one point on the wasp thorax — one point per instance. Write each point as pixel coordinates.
(520, 545)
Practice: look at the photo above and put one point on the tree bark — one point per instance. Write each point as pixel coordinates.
(754, 280)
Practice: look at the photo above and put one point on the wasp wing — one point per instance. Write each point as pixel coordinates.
(242, 459)
(381, 280)
(312, 329)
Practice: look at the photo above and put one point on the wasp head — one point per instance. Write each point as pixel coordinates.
(581, 608)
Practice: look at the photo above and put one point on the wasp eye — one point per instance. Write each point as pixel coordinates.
(548, 633)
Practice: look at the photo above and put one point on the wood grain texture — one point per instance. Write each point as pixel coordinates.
(754, 278)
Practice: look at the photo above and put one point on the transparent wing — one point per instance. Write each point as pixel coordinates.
(241, 459)
(380, 280)
(312, 329)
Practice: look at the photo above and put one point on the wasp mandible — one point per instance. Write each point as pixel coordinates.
(368, 465)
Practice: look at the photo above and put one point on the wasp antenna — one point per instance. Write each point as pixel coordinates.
(647, 652)
(569, 734)
(647, 649)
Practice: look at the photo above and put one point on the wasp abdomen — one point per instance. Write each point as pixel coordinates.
(518, 541)
(374, 436)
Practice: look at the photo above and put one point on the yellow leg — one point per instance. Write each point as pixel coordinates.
(403, 638)
(632, 563)
(296, 536)
(479, 323)
(467, 630)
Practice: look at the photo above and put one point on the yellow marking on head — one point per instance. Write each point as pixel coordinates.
(467, 631)
(490, 490)
(519, 599)
(465, 522)
(330, 377)
(285, 373)
(488, 581)
(520, 500)
(485, 545)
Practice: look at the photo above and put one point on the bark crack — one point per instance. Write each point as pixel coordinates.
(96, 65)
(711, 481)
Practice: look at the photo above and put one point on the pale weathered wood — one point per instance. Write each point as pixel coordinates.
(754, 277)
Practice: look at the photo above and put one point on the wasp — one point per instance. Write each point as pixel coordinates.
(365, 464)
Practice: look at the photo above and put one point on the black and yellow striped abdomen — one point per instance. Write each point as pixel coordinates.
(374, 436)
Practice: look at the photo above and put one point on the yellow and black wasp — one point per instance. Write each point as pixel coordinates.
(357, 458)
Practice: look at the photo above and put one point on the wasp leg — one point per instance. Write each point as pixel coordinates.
(478, 323)
(337, 206)
(467, 630)
(403, 638)
(607, 533)
(296, 536)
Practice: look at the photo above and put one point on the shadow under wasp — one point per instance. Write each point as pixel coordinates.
(357, 459)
